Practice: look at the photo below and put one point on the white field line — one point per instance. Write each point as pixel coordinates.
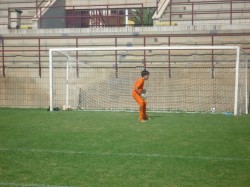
(124, 154)
(29, 185)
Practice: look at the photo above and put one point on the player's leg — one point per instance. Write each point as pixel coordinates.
(145, 113)
(146, 116)
(142, 108)
(144, 104)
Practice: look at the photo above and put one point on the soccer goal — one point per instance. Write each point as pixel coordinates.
(182, 78)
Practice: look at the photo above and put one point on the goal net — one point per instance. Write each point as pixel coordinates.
(182, 78)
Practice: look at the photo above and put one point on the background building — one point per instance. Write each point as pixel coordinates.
(29, 28)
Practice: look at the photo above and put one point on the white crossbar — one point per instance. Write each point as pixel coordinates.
(205, 47)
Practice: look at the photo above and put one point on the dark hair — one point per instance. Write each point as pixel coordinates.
(144, 73)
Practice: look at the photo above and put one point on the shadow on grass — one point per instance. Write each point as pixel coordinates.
(155, 116)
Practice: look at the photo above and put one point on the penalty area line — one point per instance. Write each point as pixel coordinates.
(29, 185)
(152, 155)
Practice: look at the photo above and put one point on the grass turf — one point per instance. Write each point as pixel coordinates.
(39, 148)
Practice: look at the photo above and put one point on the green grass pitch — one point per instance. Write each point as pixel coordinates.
(66, 149)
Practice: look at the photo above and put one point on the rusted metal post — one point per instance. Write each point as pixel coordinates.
(192, 13)
(39, 57)
(231, 12)
(74, 18)
(3, 57)
(169, 59)
(77, 63)
(116, 63)
(170, 12)
(9, 20)
(36, 8)
(212, 57)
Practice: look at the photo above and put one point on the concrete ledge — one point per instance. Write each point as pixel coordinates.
(128, 31)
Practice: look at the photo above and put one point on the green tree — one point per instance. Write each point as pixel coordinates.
(143, 16)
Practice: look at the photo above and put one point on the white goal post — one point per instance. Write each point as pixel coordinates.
(71, 65)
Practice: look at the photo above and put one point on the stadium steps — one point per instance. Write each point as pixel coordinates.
(26, 53)
(203, 19)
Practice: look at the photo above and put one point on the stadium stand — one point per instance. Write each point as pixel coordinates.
(25, 40)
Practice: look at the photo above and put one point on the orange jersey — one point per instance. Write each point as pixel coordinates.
(139, 85)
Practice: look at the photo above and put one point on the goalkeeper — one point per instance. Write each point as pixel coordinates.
(137, 94)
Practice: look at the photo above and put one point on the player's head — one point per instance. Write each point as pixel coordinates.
(145, 74)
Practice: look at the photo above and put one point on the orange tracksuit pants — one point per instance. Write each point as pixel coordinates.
(142, 106)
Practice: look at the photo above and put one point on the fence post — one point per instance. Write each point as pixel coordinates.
(170, 11)
(9, 27)
(116, 63)
(3, 57)
(36, 8)
(77, 63)
(212, 57)
(192, 13)
(231, 12)
(169, 58)
(39, 57)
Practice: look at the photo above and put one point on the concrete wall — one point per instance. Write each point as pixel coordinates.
(189, 89)
(22, 88)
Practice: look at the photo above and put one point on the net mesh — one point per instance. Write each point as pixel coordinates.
(180, 80)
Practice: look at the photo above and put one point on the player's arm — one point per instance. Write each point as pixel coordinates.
(137, 85)
(137, 91)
